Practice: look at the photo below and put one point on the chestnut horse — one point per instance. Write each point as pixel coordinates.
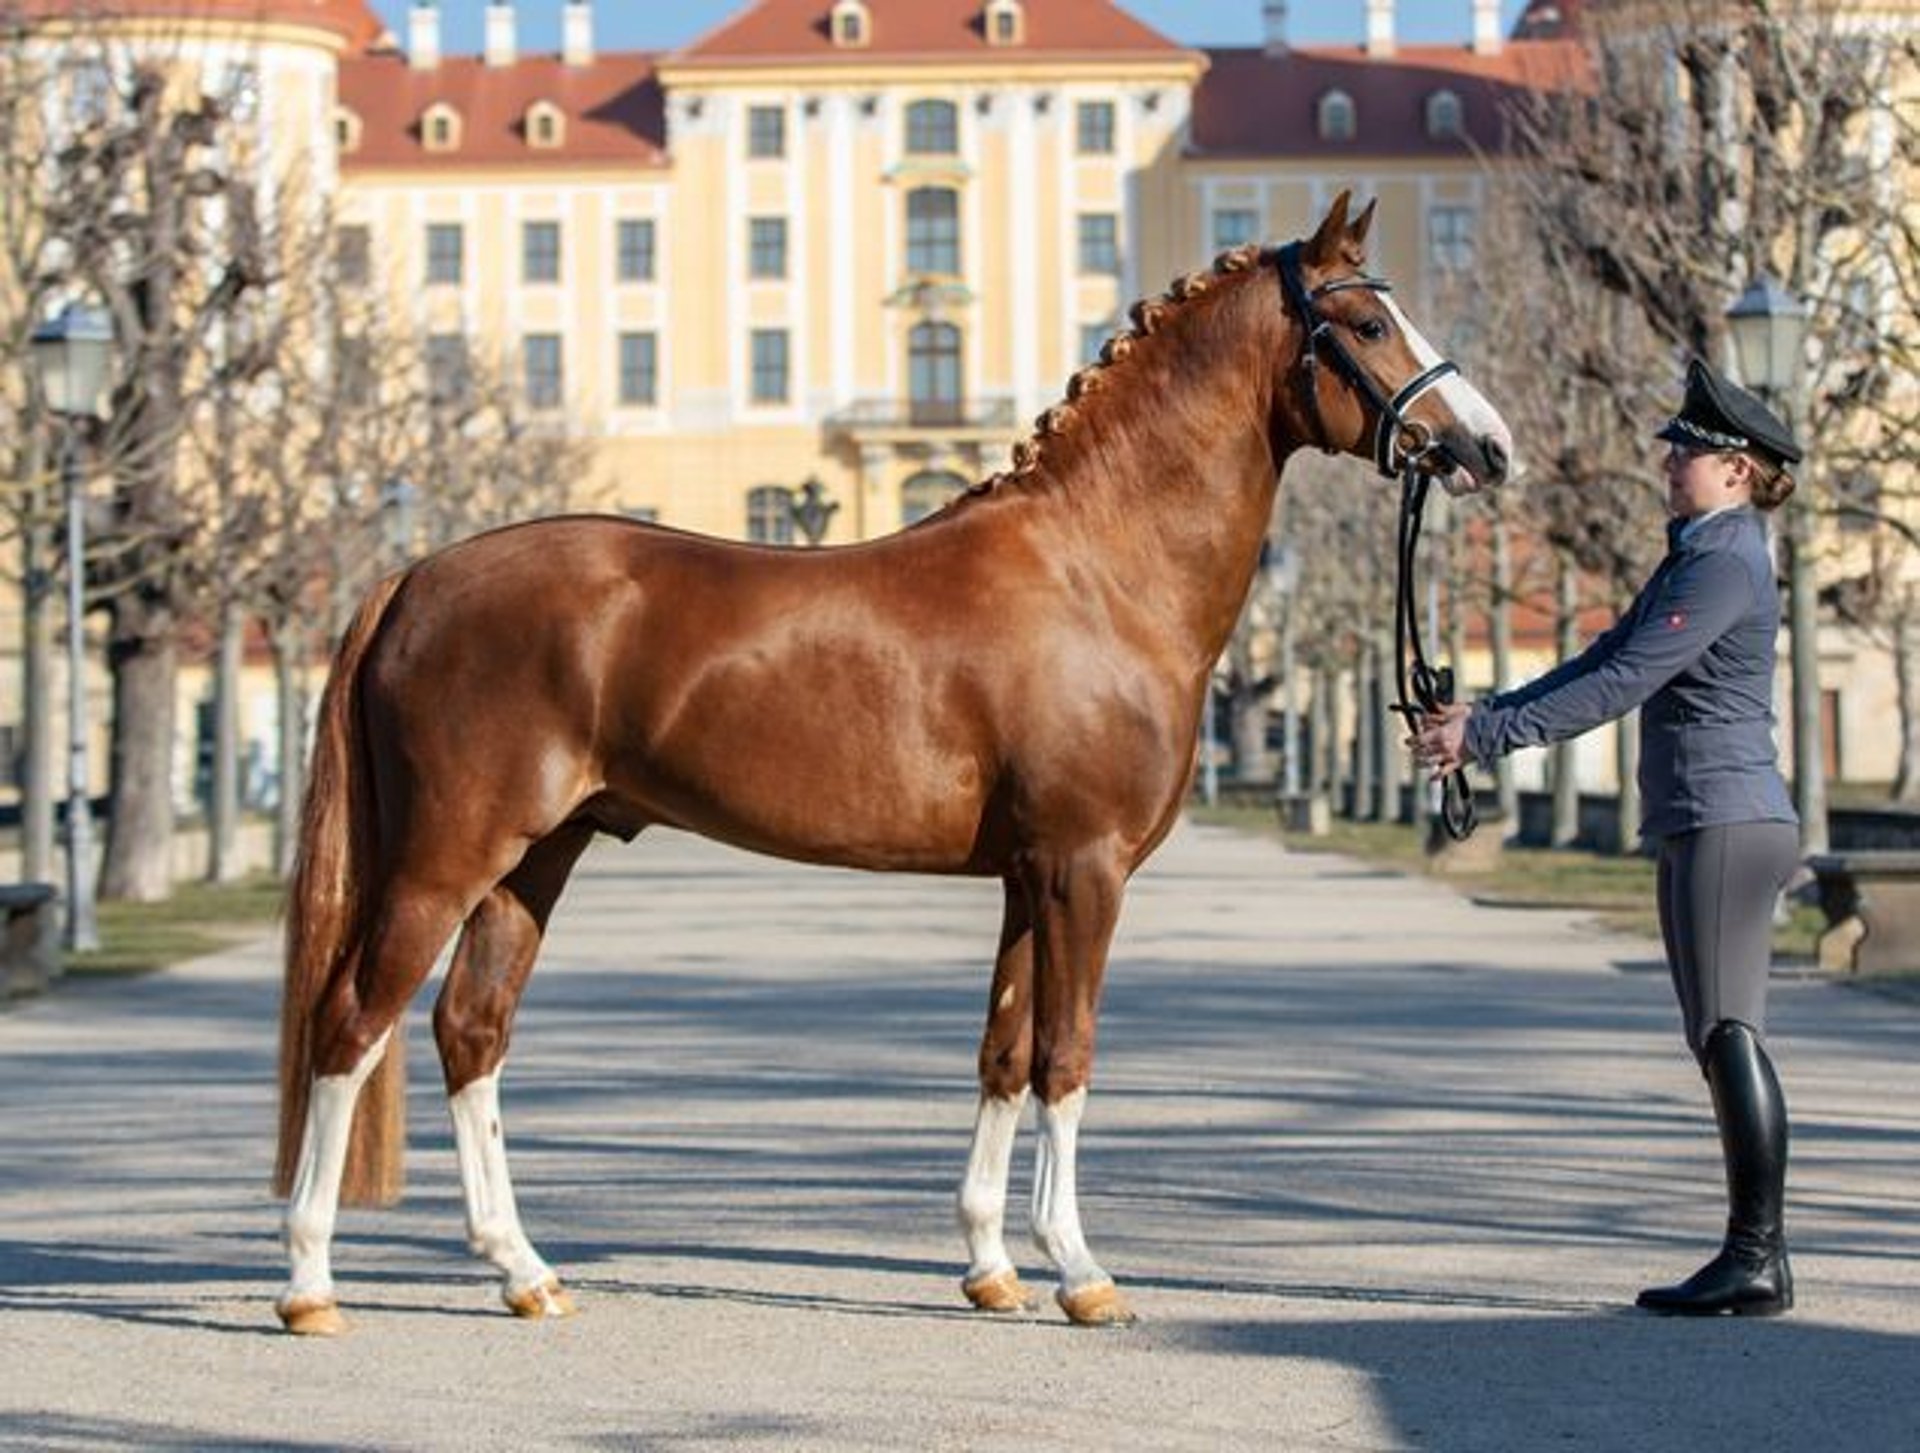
(1010, 689)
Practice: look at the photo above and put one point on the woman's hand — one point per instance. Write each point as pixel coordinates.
(1439, 743)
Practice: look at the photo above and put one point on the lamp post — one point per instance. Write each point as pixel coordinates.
(399, 498)
(812, 512)
(71, 353)
(1769, 326)
(1282, 570)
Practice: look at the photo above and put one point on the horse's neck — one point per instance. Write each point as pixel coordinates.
(1175, 498)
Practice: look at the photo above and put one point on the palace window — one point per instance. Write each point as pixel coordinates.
(639, 370)
(767, 247)
(933, 232)
(440, 127)
(850, 23)
(541, 354)
(1099, 244)
(933, 374)
(1233, 226)
(448, 375)
(546, 125)
(633, 250)
(933, 128)
(1450, 238)
(1004, 22)
(352, 255)
(770, 515)
(1446, 116)
(1339, 121)
(540, 252)
(766, 132)
(1094, 128)
(771, 381)
(928, 491)
(446, 248)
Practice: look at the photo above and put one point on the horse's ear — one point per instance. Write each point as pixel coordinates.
(1328, 244)
(1355, 250)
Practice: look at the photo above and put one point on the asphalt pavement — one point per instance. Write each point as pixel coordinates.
(1379, 1168)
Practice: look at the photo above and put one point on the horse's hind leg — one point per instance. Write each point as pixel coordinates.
(352, 1028)
(1076, 902)
(472, 1023)
(1006, 1053)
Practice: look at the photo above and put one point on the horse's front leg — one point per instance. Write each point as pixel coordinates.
(1006, 1057)
(1076, 904)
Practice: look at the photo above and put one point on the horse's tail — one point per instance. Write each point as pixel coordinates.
(326, 908)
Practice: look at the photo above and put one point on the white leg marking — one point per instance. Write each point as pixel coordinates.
(1478, 417)
(315, 1201)
(1056, 1207)
(493, 1219)
(983, 1194)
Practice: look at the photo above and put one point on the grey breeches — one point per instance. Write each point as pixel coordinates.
(1718, 886)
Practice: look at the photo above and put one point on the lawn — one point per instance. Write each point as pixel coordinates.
(199, 918)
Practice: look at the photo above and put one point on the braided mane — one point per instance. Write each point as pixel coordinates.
(1148, 316)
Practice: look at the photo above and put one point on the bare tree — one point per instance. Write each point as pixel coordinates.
(1718, 140)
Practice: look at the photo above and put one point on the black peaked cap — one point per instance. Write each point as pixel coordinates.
(1719, 414)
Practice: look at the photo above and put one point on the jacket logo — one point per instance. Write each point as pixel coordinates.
(1676, 619)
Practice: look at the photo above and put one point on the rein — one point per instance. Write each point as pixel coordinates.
(1401, 448)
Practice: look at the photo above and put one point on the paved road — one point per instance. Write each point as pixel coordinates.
(1378, 1167)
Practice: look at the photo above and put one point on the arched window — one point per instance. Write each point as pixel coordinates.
(546, 125)
(770, 514)
(928, 491)
(849, 23)
(1004, 22)
(933, 232)
(933, 128)
(1338, 119)
(346, 129)
(440, 127)
(933, 374)
(1446, 116)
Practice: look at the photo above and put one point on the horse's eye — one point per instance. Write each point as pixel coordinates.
(1372, 330)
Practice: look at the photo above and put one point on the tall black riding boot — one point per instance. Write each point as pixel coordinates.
(1750, 1277)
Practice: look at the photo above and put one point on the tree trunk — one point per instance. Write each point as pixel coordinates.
(223, 797)
(1626, 757)
(137, 865)
(38, 762)
(1566, 784)
(1390, 725)
(288, 668)
(1365, 804)
(1803, 625)
(1906, 670)
(1248, 709)
(1320, 759)
(1500, 632)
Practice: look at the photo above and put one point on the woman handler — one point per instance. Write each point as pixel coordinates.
(1696, 652)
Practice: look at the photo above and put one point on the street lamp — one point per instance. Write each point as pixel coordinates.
(399, 498)
(812, 511)
(1769, 328)
(71, 355)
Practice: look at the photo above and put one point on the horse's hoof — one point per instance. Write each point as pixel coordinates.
(999, 1291)
(1099, 1305)
(543, 1299)
(312, 1317)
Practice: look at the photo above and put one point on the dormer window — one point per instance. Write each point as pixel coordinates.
(1339, 121)
(850, 24)
(546, 125)
(346, 130)
(1005, 22)
(440, 128)
(1446, 117)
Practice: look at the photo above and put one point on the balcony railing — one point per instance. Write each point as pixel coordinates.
(891, 415)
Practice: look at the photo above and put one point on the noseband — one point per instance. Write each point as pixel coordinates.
(1402, 448)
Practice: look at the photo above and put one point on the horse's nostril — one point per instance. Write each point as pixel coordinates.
(1496, 456)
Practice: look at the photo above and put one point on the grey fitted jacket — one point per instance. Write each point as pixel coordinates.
(1695, 651)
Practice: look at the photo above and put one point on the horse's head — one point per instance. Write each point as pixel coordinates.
(1366, 381)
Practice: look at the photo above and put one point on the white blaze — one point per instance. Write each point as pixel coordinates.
(1478, 417)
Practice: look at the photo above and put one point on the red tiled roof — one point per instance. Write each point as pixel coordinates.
(1251, 103)
(352, 20)
(769, 31)
(612, 107)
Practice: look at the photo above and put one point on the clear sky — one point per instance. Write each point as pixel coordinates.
(664, 24)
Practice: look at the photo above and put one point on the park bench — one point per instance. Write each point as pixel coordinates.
(1871, 899)
(30, 949)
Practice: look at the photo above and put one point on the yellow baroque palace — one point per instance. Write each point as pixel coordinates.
(864, 242)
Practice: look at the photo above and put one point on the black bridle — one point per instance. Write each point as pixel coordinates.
(1402, 447)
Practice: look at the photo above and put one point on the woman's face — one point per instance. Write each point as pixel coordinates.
(1702, 480)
